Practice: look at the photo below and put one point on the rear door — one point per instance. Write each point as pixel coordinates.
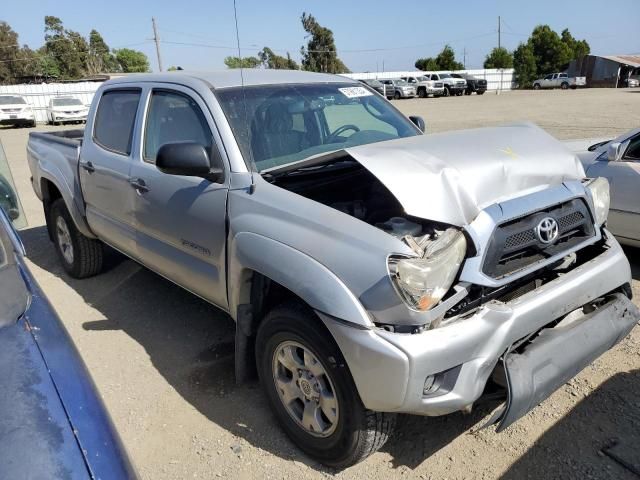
(104, 167)
(181, 221)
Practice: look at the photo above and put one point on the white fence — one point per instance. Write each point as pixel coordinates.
(496, 78)
(38, 96)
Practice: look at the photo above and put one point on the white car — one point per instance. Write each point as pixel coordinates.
(14, 110)
(66, 109)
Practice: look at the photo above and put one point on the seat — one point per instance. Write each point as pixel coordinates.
(274, 136)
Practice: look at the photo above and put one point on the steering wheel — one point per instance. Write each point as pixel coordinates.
(344, 128)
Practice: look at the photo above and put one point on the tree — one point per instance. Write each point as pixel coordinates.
(67, 48)
(132, 61)
(320, 54)
(271, 60)
(99, 57)
(551, 53)
(524, 64)
(499, 57)
(578, 48)
(9, 53)
(427, 64)
(446, 59)
(244, 62)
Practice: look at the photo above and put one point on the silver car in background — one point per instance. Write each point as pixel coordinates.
(618, 160)
(401, 89)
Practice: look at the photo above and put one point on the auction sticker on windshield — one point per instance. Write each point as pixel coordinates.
(355, 92)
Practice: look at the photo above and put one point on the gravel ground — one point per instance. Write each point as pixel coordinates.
(162, 359)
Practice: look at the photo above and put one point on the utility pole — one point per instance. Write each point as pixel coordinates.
(157, 40)
(499, 23)
(464, 57)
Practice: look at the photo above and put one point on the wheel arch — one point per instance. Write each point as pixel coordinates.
(263, 273)
(51, 191)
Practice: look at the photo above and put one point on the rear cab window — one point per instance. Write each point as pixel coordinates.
(115, 119)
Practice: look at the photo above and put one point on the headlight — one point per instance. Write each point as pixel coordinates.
(423, 281)
(599, 189)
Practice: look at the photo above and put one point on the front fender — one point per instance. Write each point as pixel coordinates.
(314, 283)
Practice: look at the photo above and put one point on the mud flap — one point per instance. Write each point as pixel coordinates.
(558, 354)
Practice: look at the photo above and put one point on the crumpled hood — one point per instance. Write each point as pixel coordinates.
(450, 177)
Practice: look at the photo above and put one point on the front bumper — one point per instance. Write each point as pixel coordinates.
(16, 118)
(57, 117)
(390, 369)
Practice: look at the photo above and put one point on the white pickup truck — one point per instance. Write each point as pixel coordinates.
(559, 80)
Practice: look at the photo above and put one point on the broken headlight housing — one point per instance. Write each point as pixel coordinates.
(423, 281)
(599, 189)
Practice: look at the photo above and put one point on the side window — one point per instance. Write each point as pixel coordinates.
(633, 150)
(434, 77)
(173, 117)
(116, 114)
(563, 75)
(548, 77)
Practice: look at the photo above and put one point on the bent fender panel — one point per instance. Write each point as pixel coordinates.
(320, 288)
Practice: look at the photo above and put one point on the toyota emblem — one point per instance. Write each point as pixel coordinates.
(547, 230)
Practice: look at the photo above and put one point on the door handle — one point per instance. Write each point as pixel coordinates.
(139, 184)
(88, 166)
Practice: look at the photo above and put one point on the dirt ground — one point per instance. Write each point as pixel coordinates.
(162, 359)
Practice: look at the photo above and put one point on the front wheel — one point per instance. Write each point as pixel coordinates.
(80, 256)
(536, 86)
(564, 86)
(447, 92)
(311, 390)
(397, 96)
(422, 93)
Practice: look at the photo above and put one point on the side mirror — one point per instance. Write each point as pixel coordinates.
(189, 159)
(614, 151)
(419, 122)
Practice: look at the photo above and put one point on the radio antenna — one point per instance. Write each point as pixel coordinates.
(244, 97)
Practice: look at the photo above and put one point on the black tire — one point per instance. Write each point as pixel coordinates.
(87, 253)
(422, 93)
(447, 92)
(467, 92)
(536, 86)
(358, 432)
(564, 85)
(397, 96)
(480, 92)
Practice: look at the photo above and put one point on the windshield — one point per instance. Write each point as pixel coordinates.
(422, 79)
(400, 83)
(65, 102)
(280, 124)
(11, 100)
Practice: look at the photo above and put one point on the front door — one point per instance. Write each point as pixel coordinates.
(104, 168)
(180, 221)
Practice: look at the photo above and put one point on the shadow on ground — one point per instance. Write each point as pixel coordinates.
(191, 344)
(574, 447)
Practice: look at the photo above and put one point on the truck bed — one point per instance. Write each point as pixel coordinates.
(65, 137)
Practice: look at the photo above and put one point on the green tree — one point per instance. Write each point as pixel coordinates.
(577, 48)
(270, 60)
(67, 48)
(446, 60)
(427, 64)
(244, 62)
(524, 64)
(132, 61)
(9, 53)
(99, 57)
(320, 54)
(551, 53)
(499, 57)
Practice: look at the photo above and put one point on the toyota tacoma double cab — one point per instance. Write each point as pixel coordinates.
(370, 269)
(559, 80)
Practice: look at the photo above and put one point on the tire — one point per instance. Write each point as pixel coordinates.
(480, 92)
(356, 432)
(397, 96)
(467, 92)
(536, 86)
(422, 93)
(447, 92)
(81, 257)
(564, 85)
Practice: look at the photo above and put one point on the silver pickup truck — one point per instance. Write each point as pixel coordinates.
(371, 270)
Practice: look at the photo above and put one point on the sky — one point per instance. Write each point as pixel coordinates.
(199, 34)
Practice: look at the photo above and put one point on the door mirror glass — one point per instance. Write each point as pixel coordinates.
(614, 151)
(419, 122)
(189, 159)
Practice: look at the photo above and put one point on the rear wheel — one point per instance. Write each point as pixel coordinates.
(564, 85)
(397, 96)
(80, 256)
(311, 390)
(536, 86)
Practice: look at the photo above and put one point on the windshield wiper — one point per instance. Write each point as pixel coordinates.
(306, 169)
